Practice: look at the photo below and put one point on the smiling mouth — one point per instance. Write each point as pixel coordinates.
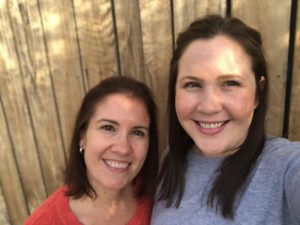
(211, 125)
(116, 164)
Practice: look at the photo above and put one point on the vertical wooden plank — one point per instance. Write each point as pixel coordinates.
(294, 123)
(129, 31)
(32, 54)
(10, 182)
(4, 220)
(36, 75)
(96, 39)
(157, 49)
(263, 15)
(18, 119)
(11, 186)
(187, 11)
(64, 60)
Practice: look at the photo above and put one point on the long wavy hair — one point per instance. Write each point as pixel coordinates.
(235, 169)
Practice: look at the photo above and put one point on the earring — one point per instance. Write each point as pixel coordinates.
(81, 150)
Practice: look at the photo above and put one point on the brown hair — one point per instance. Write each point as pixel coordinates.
(239, 165)
(76, 176)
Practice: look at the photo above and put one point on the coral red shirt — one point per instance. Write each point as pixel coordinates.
(56, 211)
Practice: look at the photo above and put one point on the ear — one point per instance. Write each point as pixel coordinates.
(82, 141)
(261, 86)
(261, 82)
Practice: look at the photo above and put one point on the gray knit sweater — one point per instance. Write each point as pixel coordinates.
(272, 196)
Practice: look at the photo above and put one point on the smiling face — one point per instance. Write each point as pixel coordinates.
(215, 94)
(116, 142)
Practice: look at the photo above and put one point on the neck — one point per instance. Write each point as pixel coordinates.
(110, 198)
(110, 206)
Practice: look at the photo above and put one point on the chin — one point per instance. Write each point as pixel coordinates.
(213, 154)
(117, 186)
(212, 151)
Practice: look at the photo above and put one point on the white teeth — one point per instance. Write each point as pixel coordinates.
(117, 165)
(211, 125)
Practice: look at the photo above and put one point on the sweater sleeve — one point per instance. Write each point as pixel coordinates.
(292, 185)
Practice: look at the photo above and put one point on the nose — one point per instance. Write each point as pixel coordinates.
(210, 101)
(121, 145)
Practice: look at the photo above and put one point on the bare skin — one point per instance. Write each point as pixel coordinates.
(109, 207)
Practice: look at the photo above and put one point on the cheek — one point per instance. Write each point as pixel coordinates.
(141, 148)
(178, 108)
(184, 104)
(242, 106)
(91, 142)
(141, 156)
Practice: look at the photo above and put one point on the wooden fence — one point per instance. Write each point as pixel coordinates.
(52, 52)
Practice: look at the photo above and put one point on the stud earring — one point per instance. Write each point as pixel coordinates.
(81, 150)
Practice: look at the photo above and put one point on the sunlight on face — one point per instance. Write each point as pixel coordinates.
(215, 94)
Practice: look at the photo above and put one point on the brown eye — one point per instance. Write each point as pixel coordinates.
(107, 128)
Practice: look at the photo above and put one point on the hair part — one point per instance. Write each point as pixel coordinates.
(239, 165)
(75, 175)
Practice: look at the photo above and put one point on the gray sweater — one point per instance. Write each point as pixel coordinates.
(272, 196)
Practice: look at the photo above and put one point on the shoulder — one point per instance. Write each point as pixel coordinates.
(281, 150)
(45, 213)
(287, 154)
(279, 162)
(282, 157)
(143, 211)
(281, 143)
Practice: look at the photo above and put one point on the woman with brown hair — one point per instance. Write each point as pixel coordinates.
(112, 168)
(221, 167)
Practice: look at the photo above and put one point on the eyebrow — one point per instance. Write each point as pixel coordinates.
(222, 77)
(116, 123)
(107, 120)
(228, 76)
(189, 77)
(142, 127)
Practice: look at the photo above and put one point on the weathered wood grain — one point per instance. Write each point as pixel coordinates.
(272, 19)
(129, 32)
(4, 218)
(19, 125)
(156, 29)
(294, 123)
(10, 179)
(36, 76)
(187, 11)
(62, 51)
(52, 53)
(96, 39)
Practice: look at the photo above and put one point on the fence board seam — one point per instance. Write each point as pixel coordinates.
(228, 8)
(289, 71)
(172, 25)
(115, 29)
(15, 159)
(29, 114)
(52, 86)
(85, 85)
(5, 202)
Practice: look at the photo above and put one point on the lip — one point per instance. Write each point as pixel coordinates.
(116, 165)
(211, 127)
